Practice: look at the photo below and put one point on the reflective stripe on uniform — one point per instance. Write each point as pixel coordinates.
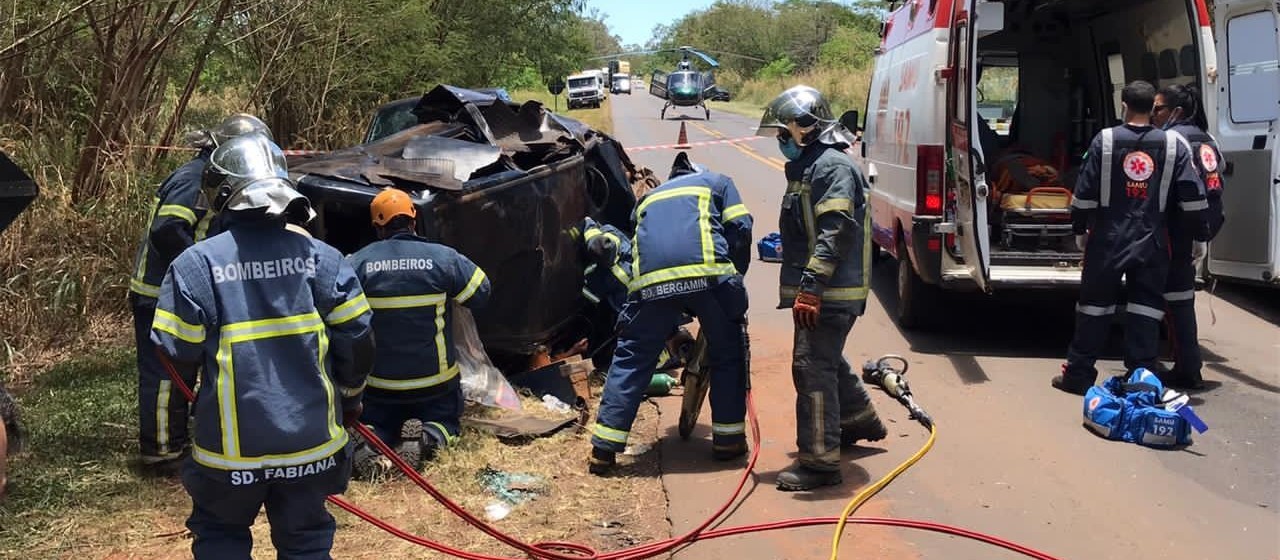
(406, 302)
(144, 289)
(477, 278)
(352, 391)
(1145, 311)
(1194, 205)
(415, 383)
(162, 417)
(248, 331)
(609, 434)
(833, 205)
(681, 272)
(1095, 310)
(169, 323)
(216, 460)
(832, 294)
(1166, 174)
(734, 212)
(1108, 147)
(1180, 296)
(348, 310)
(728, 429)
(1083, 204)
(820, 266)
(620, 274)
(178, 211)
(591, 297)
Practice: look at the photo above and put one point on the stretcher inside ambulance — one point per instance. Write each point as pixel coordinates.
(978, 117)
(1060, 67)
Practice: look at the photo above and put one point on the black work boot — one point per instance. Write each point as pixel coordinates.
(411, 445)
(601, 461)
(798, 478)
(866, 426)
(728, 451)
(1074, 383)
(366, 463)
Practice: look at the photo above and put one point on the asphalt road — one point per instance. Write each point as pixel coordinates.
(1012, 458)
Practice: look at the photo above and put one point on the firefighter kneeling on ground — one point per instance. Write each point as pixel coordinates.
(180, 217)
(826, 271)
(415, 392)
(281, 327)
(1134, 178)
(692, 246)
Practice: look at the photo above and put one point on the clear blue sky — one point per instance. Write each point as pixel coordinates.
(633, 20)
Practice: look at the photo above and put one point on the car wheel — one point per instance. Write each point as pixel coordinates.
(916, 299)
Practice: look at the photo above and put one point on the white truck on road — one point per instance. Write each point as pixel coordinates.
(585, 90)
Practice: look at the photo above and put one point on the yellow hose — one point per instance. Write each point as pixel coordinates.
(870, 491)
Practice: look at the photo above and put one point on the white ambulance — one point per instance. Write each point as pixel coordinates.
(1246, 126)
(977, 119)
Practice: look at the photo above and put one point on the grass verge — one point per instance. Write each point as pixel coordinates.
(75, 494)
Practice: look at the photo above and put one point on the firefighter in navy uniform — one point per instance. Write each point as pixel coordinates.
(1134, 177)
(1179, 109)
(608, 251)
(691, 247)
(415, 392)
(179, 219)
(826, 267)
(281, 328)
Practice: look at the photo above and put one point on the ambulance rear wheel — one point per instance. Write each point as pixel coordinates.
(916, 299)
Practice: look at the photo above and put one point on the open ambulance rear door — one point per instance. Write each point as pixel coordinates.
(1246, 128)
(972, 231)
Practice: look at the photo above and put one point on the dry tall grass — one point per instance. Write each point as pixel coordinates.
(845, 89)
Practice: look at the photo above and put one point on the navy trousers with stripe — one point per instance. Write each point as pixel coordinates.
(643, 328)
(1100, 291)
(162, 410)
(1180, 293)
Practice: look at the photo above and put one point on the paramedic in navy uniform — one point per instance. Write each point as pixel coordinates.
(1134, 177)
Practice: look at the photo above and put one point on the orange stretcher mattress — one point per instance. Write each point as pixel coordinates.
(1043, 198)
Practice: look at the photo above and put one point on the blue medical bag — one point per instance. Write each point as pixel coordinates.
(1140, 410)
(771, 247)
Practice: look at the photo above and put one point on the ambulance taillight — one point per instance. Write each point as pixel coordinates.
(929, 176)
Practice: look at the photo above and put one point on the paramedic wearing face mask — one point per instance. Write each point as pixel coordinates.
(1134, 178)
(1178, 109)
(826, 269)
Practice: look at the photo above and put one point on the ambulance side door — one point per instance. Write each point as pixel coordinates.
(972, 233)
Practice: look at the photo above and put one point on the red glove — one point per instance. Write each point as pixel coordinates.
(351, 416)
(805, 310)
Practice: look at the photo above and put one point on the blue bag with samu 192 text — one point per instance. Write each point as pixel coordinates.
(1133, 410)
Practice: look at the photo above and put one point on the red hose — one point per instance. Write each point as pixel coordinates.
(547, 550)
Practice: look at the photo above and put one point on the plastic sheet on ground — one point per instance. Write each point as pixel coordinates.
(481, 382)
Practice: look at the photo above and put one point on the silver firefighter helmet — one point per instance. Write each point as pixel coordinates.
(237, 125)
(248, 172)
(804, 113)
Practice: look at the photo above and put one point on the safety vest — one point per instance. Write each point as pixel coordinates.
(411, 283)
(826, 236)
(681, 235)
(609, 282)
(176, 199)
(274, 317)
(1125, 186)
(1209, 163)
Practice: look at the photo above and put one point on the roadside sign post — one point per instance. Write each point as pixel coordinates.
(556, 87)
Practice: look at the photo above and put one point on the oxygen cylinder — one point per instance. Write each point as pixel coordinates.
(660, 384)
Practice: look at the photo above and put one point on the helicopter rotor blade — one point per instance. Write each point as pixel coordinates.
(723, 53)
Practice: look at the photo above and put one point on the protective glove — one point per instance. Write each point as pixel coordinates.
(1198, 250)
(805, 310)
(351, 414)
(1082, 240)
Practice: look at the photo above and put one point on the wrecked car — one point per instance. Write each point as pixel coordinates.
(506, 184)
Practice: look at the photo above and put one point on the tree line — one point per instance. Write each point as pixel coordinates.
(92, 80)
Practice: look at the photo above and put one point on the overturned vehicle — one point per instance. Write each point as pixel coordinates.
(508, 185)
